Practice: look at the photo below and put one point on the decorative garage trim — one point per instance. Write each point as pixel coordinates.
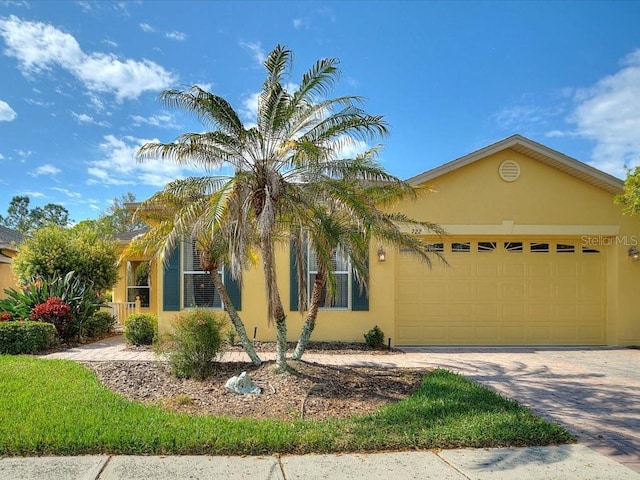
(509, 228)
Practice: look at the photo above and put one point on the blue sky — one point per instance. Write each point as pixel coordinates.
(79, 81)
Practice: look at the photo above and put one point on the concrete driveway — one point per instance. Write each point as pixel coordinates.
(593, 392)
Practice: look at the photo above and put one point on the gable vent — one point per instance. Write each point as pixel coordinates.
(509, 170)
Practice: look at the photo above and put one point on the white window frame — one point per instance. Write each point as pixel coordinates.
(184, 273)
(346, 272)
(138, 287)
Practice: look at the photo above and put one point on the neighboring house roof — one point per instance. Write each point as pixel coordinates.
(9, 240)
(128, 236)
(536, 151)
(9, 236)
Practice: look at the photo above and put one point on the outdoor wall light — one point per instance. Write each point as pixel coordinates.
(382, 255)
(634, 254)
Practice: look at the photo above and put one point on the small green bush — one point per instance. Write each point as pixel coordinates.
(230, 336)
(194, 345)
(26, 337)
(141, 328)
(98, 325)
(374, 338)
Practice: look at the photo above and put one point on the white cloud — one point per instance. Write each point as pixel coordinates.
(608, 113)
(46, 169)
(145, 27)
(256, 50)
(67, 192)
(526, 116)
(205, 86)
(119, 166)
(30, 193)
(40, 47)
(110, 43)
(163, 120)
(7, 114)
(301, 23)
(39, 103)
(177, 36)
(84, 118)
(347, 147)
(1, 157)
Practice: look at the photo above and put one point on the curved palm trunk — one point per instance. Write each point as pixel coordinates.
(235, 319)
(275, 308)
(312, 314)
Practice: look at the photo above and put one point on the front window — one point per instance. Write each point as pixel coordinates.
(342, 271)
(138, 284)
(198, 290)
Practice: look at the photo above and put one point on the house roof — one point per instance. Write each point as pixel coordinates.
(536, 151)
(126, 237)
(10, 236)
(9, 240)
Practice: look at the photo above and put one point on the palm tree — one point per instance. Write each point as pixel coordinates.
(336, 232)
(293, 145)
(190, 209)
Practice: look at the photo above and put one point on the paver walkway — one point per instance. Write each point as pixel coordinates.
(594, 392)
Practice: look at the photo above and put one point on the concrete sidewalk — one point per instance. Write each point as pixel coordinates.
(575, 462)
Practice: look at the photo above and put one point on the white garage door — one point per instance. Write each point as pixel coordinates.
(503, 292)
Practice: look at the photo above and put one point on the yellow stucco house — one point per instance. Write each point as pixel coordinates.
(9, 241)
(538, 254)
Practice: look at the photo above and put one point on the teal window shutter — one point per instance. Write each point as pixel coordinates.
(293, 279)
(171, 282)
(233, 289)
(359, 297)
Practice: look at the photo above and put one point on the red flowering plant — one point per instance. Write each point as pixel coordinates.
(6, 317)
(54, 310)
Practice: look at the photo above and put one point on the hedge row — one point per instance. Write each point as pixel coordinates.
(26, 337)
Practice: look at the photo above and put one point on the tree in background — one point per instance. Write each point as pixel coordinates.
(118, 218)
(54, 251)
(27, 220)
(630, 198)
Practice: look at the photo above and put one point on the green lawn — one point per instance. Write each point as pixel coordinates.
(58, 407)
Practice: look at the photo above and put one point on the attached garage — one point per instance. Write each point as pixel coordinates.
(538, 253)
(504, 291)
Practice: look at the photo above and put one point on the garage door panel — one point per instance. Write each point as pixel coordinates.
(513, 290)
(540, 312)
(487, 311)
(503, 297)
(513, 270)
(539, 271)
(487, 271)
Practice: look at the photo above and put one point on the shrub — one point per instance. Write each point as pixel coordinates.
(230, 336)
(140, 328)
(80, 296)
(195, 344)
(26, 337)
(56, 311)
(53, 251)
(98, 324)
(374, 338)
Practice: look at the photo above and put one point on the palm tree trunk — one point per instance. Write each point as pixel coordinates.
(312, 314)
(235, 319)
(275, 308)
